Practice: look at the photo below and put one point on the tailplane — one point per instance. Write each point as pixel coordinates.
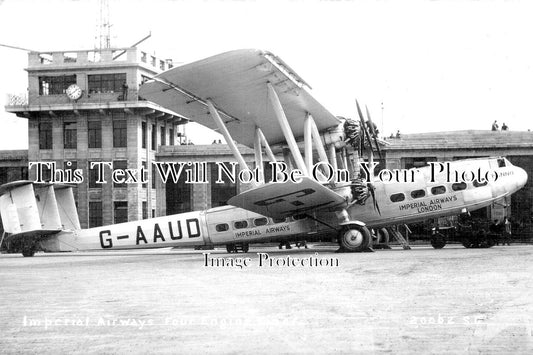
(31, 211)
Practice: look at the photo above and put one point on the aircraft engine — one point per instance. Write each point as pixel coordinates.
(336, 136)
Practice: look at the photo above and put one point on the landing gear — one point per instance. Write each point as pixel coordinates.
(381, 238)
(438, 240)
(28, 248)
(235, 248)
(354, 238)
(467, 242)
(481, 240)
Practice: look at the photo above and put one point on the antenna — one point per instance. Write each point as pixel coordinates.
(104, 26)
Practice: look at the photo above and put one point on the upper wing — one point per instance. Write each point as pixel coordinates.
(236, 83)
(281, 200)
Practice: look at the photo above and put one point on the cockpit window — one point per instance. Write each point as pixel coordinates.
(501, 163)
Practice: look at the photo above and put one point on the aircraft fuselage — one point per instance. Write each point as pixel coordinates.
(398, 202)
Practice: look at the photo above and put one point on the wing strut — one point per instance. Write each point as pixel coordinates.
(317, 141)
(308, 141)
(224, 131)
(258, 153)
(286, 129)
(312, 138)
(268, 151)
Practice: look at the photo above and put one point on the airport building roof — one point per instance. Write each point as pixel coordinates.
(470, 139)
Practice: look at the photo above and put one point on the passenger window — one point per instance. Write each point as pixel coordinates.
(278, 220)
(222, 227)
(479, 184)
(459, 186)
(299, 216)
(438, 190)
(397, 197)
(260, 221)
(240, 224)
(418, 193)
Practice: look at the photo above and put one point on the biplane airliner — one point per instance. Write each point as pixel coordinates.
(252, 97)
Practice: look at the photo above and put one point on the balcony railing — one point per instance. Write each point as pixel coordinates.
(17, 99)
(93, 97)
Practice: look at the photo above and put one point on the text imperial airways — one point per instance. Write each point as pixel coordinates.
(196, 173)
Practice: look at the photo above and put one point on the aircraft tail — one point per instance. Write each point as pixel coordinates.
(32, 209)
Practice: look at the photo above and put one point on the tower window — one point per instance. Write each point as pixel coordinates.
(70, 135)
(95, 214)
(95, 134)
(45, 135)
(123, 165)
(163, 138)
(143, 131)
(106, 83)
(120, 135)
(154, 137)
(55, 85)
(121, 211)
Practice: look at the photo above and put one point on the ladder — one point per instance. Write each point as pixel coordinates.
(399, 237)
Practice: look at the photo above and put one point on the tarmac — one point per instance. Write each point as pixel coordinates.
(453, 300)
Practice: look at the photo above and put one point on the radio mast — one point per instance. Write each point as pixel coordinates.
(103, 36)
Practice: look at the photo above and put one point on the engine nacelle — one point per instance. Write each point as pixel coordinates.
(335, 136)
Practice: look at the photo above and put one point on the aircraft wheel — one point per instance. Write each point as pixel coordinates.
(28, 247)
(245, 248)
(438, 241)
(467, 243)
(354, 238)
(383, 236)
(230, 248)
(27, 252)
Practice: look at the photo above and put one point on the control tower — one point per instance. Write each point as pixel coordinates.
(82, 107)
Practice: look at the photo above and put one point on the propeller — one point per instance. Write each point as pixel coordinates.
(374, 133)
(370, 185)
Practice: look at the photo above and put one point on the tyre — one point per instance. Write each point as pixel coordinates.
(230, 248)
(27, 252)
(467, 243)
(438, 241)
(354, 238)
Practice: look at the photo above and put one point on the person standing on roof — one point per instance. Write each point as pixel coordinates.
(504, 127)
(495, 125)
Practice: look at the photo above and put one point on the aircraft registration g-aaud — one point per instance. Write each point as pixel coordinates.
(254, 98)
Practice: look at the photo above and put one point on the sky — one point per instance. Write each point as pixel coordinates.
(420, 66)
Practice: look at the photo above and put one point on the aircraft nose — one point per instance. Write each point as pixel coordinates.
(521, 177)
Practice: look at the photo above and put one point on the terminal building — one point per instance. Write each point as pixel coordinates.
(82, 107)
